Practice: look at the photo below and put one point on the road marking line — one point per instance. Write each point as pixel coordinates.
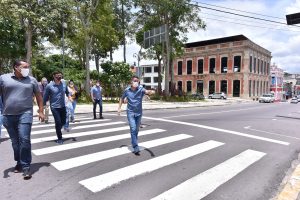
(205, 183)
(98, 183)
(53, 149)
(77, 127)
(252, 129)
(98, 156)
(42, 124)
(72, 135)
(80, 122)
(209, 113)
(221, 130)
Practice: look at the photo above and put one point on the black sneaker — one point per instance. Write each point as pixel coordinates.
(17, 169)
(101, 117)
(137, 153)
(59, 141)
(26, 174)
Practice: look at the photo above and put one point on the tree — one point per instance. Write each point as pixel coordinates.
(34, 17)
(11, 42)
(179, 16)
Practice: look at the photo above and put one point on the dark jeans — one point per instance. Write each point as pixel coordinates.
(59, 115)
(99, 102)
(19, 129)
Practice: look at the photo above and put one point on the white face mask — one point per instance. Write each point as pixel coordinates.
(24, 72)
(135, 84)
(97, 84)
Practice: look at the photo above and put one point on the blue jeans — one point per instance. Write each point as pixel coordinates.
(99, 102)
(59, 115)
(72, 113)
(0, 122)
(68, 114)
(19, 129)
(134, 123)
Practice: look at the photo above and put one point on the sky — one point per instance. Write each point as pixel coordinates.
(281, 40)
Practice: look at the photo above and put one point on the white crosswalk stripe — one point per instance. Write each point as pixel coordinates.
(72, 135)
(203, 184)
(54, 149)
(98, 183)
(82, 160)
(77, 127)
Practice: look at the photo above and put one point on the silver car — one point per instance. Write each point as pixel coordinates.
(217, 95)
(294, 100)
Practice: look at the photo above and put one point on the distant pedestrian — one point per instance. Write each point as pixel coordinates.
(1, 111)
(96, 95)
(17, 90)
(69, 109)
(55, 92)
(134, 95)
(42, 87)
(74, 93)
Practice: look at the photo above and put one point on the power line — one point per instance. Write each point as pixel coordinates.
(267, 20)
(251, 25)
(251, 21)
(238, 10)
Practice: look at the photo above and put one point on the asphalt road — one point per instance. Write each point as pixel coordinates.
(234, 152)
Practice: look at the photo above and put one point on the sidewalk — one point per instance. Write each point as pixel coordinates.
(153, 105)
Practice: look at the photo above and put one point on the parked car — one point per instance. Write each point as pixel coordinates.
(294, 100)
(198, 96)
(266, 98)
(217, 95)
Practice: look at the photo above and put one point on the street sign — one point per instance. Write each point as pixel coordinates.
(154, 36)
(293, 19)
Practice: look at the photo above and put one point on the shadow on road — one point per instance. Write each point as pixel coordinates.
(34, 167)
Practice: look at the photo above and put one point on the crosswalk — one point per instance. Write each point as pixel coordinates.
(90, 133)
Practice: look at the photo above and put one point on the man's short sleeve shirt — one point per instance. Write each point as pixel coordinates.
(134, 98)
(17, 94)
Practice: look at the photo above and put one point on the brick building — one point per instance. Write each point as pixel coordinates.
(276, 86)
(234, 65)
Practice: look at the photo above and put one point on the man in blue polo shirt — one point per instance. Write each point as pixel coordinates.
(17, 90)
(134, 95)
(96, 95)
(56, 91)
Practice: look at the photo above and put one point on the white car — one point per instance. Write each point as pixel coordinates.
(266, 98)
(217, 95)
(294, 100)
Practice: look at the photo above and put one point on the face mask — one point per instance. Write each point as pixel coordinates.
(24, 72)
(135, 84)
(71, 85)
(98, 84)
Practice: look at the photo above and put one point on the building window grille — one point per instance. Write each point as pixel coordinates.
(254, 65)
(189, 67)
(200, 66)
(237, 64)
(211, 87)
(179, 68)
(224, 64)
(155, 69)
(250, 64)
(148, 69)
(200, 86)
(189, 86)
(223, 86)
(236, 88)
(250, 88)
(147, 79)
(212, 65)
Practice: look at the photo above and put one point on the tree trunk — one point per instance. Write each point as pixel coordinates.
(87, 63)
(28, 43)
(111, 55)
(167, 72)
(124, 38)
(159, 76)
(97, 63)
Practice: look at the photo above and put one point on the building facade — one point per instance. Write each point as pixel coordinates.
(149, 76)
(234, 65)
(277, 86)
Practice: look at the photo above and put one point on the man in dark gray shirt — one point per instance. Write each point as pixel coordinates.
(56, 91)
(17, 90)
